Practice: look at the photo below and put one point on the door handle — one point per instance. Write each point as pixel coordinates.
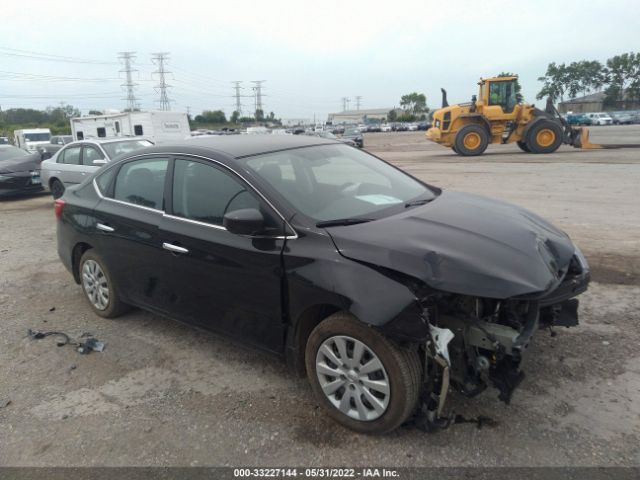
(104, 228)
(174, 248)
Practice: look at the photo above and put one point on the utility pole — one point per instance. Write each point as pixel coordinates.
(345, 103)
(159, 59)
(237, 88)
(358, 98)
(258, 94)
(127, 58)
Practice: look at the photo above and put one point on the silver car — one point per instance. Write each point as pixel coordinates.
(73, 163)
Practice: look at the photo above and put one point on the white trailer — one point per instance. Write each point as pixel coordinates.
(157, 126)
(31, 138)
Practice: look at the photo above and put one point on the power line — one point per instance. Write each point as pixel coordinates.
(128, 58)
(14, 52)
(345, 103)
(358, 98)
(159, 60)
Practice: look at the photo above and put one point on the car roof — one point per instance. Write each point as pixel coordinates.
(245, 145)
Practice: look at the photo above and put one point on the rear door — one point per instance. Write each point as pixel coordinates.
(127, 228)
(218, 280)
(69, 165)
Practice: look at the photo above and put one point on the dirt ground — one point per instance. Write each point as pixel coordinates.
(165, 394)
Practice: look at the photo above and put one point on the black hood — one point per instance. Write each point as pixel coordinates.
(465, 244)
(21, 164)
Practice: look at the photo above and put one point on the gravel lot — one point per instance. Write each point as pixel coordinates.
(165, 394)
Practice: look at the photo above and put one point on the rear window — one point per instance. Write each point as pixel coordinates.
(114, 149)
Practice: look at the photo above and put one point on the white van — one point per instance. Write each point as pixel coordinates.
(599, 118)
(31, 138)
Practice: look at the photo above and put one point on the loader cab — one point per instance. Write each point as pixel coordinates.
(497, 97)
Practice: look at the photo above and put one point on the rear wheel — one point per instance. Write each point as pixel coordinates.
(363, 380)
(523, 146)
(98, 287)
(544, 137)
(57, 188)
(471, 140)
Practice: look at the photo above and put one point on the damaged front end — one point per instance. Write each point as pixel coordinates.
(473, 342)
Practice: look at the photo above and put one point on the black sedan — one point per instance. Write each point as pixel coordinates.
(19, 171)
(383, 290)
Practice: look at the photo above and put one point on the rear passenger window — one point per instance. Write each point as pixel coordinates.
(141, 182)
(102, 132)
(205, 193)
(71, 156)
(137, 129)
(104, 180)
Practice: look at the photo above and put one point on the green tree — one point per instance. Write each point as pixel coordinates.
(555, 80)
(259, 115)
(392, 115)
(414, 103)
(211, 116)
(624, 75)
(519, 97)
(95, 112)
(235, 116)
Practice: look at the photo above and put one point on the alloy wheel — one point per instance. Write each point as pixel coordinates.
(353, 378)
(95, 284)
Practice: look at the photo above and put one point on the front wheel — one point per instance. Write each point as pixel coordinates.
(363, 380)
(471, 140)
(545, 137)
(523, 146)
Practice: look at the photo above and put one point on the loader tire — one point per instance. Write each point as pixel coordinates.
(544, 137)
(523, 146)
(471, 140)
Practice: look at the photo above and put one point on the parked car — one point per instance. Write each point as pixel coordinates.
(354, 135)
(357, 273)
(331, 136)
(48, 150)
(578, 119)
(424, 126)
(625, 118)
(600, 118)
(412, 127)
(19, 171)
(385, 127)
(4, 141)
(374, 128)
(72, 164)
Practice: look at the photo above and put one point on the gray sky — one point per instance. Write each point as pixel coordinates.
(310, 53)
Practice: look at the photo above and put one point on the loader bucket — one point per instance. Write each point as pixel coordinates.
(581, 139)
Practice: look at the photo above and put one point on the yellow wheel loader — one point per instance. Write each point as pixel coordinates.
(495, 116)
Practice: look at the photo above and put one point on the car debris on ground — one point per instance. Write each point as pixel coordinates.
(91, 344)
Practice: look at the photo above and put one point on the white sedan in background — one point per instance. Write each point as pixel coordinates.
(77, 160)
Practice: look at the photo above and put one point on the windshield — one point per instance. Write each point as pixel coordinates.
(332, 182)
(9, 152)
(114, 149)
(37, 137)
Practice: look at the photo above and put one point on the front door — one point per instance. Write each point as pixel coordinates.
(219, 280)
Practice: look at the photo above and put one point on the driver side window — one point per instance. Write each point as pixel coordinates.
(205, 193)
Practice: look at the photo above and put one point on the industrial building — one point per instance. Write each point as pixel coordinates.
(595, 103)
(360, 116)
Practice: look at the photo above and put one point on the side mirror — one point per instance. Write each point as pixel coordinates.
(98, 162)
(247, 221)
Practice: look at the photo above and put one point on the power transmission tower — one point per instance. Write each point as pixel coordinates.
(237, 88)
(159, 59)
(127, 58)
(345, 103)
(358, 98)
(258, 94)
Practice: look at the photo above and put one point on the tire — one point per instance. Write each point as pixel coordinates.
(454, 149)
(57, 188)
(400, 372)
(523, 146)
(95, 274)
(544, 137)
(471, 140)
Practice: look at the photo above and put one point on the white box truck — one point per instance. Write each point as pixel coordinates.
(31, 138)
(157, 126)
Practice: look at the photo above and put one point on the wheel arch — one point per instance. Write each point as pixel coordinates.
(76, 254)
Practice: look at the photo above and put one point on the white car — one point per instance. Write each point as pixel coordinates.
(77, 160)
(385, 127)
(600, 118)
(412, 127)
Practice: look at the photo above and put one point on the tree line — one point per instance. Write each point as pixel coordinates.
(618, 76)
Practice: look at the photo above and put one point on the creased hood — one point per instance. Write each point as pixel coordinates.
(466, 244)
(20, 164)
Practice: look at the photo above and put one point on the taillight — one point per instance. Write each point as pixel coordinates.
(58, 206)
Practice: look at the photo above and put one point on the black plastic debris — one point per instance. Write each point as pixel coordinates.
(35, 335)
(90, 343)
(4, 402)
